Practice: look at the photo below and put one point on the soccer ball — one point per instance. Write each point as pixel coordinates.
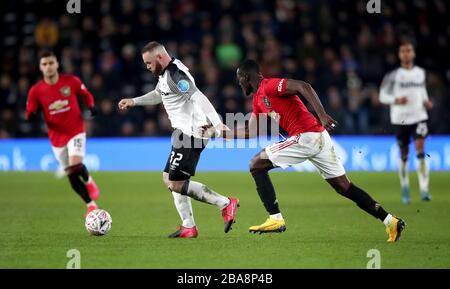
(98, 222)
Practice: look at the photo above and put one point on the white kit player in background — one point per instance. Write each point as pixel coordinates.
(188, 110)
(404, 90)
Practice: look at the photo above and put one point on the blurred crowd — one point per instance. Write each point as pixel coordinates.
(336, 46)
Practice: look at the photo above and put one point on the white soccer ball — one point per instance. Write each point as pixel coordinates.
(98, 222)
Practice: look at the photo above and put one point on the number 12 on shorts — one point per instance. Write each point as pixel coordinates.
(175, 158)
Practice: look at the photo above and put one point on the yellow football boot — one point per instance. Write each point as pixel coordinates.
(395, 229)
(269, 226)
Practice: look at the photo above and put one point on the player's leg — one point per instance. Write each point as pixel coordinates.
(181, 165)
(423, 173)
(77, 149)
(394, 225)
(331, 169)
(200, 192)
(403, 135)
(183, 205)
(344, 187)
(260, 165)
(78, 174)
(61, 154)
(282, 154)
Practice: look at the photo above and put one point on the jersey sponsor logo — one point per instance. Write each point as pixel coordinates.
(183, 85)
(266, 101)
(411, 84)
(65, 91)
(58, 106)
(280, 85)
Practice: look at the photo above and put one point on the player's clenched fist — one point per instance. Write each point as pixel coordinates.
(126, 103)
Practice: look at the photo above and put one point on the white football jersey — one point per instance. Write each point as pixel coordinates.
(176, 86)
(410, 83)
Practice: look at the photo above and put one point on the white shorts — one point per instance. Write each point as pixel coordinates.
(76, 146)
(316, 147)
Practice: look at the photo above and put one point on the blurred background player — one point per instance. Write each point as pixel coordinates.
(404, 90)
(56, 95)
(188, 110)
(308, 140)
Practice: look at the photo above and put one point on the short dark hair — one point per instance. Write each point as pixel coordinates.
(149, 47)
(406, 41)
(46, 53)
(249, 65)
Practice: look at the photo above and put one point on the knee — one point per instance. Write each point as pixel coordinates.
(175, 186)
(165, 178)
(75, 160)
(341, 187)
(404, 151)
(74, 169)
(255, 166)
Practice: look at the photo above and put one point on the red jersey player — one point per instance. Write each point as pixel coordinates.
(308, 140)
(56, 95)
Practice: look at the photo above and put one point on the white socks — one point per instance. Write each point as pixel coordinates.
(387, 221)
(277, 217)
(423, 174)
(403, 174)
(184, 208)
(91, 203)
(202, 193)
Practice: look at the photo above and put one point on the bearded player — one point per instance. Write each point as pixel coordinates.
(308, 140)
(56, 95)
(188, 110)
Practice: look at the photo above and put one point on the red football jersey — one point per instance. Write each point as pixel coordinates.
(60, 106)
(289, 111)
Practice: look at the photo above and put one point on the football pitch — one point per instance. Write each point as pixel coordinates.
(41, 219)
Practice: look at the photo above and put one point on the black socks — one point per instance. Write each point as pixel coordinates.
(365, 202)
(75, 173)
(266, 191)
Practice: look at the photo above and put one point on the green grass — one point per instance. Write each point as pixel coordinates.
(41, 219)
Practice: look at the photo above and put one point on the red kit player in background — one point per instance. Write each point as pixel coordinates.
(56, 95)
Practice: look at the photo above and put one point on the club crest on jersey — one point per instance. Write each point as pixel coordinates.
(65, 91)
(266, 101)
(183, 85)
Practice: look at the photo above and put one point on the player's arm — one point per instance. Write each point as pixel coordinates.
(426, 101)
(151, 98)
(86, 96)
(249, 130)
(387, 91)
(182, 85)
(208, 109)
(32, 105)
(296, 87)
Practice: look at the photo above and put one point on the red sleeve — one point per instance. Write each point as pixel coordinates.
(81, 90)
(256, 109)
(32, 102)
(275, 87)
